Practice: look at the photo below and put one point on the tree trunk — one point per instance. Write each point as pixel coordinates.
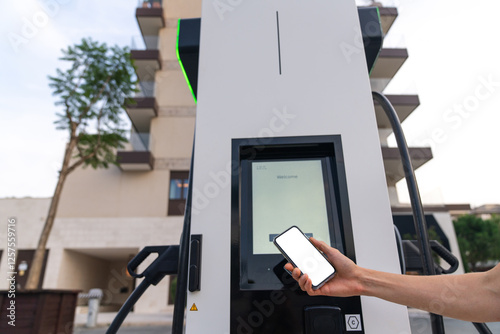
(35, 271)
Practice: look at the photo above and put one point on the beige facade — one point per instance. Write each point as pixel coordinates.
(106, 216)
(92, 252)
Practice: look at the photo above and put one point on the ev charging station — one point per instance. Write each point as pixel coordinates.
(285, 135)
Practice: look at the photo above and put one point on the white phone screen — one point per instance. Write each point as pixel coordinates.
(298, 249)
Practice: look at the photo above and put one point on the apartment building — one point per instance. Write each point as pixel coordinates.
(106, 216)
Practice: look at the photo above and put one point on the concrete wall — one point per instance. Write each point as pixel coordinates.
(29, 214)
(82, 272)
(173, 137)
(182, 8)
(113, 193)
(171, 87)
(119, 284)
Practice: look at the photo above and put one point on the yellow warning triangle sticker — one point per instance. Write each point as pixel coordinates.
(193, 308)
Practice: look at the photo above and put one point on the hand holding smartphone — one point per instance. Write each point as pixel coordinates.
(301, 253)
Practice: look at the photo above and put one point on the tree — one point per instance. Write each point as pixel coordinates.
(93, 93)
(496, 219)
(478, 239)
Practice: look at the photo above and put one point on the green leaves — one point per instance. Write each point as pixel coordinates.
(99, 150)
(92, 95)
(478, 239)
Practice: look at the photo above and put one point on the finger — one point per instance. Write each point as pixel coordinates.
(296, 273)
(289, 266)
(303, 281)
(308, 287)
(321, 245)
(324, 247)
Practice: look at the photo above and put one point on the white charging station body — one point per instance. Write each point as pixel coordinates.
(278, 68)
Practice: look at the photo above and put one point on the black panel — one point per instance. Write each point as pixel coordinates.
(323, 320)
(406, 226)
(195, 263)
(371, 30)
(189, 42)
(189, 49)
(280, 306)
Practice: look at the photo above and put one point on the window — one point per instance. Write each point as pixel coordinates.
(178, 188)
(179, 185)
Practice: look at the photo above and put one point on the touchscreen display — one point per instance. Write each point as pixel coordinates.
(287, 193)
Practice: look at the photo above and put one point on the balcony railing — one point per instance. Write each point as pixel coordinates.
(146, 89)
(150, 3)
(139, 140)
(146, 42)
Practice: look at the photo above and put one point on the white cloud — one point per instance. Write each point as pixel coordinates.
(451, 47)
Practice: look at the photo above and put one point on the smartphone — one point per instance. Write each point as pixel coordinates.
(301, 253)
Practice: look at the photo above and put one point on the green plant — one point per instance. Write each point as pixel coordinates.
(478, 239)
(172, 289)
(92, 93)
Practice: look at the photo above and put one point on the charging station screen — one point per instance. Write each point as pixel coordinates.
(287, 193)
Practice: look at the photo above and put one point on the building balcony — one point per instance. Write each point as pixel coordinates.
(387, 17)
(404, 105)
(135, 160)
(388, 63)
(392, 162)
(141, 111)
(150, 18)
(146, 62)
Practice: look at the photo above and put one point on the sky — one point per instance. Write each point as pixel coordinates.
(453, 66)
(32, 34)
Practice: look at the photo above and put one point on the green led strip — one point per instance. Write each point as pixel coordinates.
(180, 61)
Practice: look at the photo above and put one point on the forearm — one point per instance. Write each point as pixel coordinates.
(470, 297)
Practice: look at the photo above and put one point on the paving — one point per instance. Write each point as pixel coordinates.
(420, 324)
(162, 324)
(166, 329)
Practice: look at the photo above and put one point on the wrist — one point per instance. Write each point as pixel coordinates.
(363, 281)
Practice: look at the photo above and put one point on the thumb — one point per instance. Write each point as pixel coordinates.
(324, 247)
